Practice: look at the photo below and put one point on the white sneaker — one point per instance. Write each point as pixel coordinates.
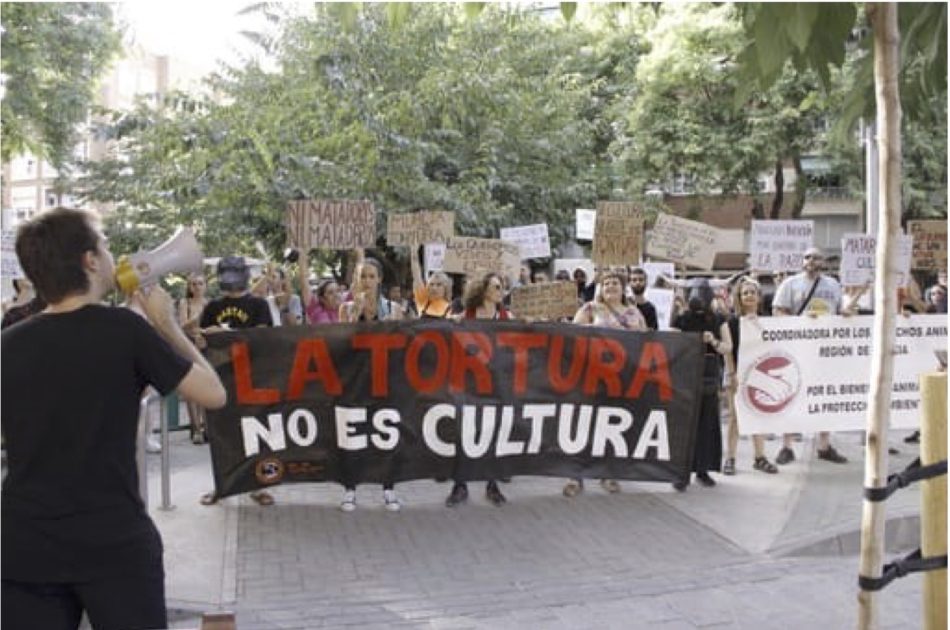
(391, 500)
(348, 504)
(153, 444)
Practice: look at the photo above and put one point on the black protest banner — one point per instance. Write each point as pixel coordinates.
(395, 401)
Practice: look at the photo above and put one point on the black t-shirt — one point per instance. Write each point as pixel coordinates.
(70, 390)
(246, 311)
(649, 314)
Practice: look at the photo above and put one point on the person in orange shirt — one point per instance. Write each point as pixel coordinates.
(433, 298)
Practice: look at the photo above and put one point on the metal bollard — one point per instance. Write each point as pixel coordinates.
(140, 438)
(166, 459)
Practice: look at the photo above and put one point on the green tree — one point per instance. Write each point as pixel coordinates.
(52, 55)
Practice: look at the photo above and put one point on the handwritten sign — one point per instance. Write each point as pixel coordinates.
(476, 256)
(331, 224)
(545, 301)
(10, 262)
(858, 254)
(410, 229)
(779, 245)
(683, 241)
(618, 234)
(532, 240)
(930, 244)
(585, 224)
(435, 254)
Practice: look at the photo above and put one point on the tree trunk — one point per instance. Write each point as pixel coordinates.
(779, 197)
(801, 188)
(883, 17)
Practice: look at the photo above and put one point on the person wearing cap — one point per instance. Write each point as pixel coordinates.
(76, 534)
(236, 308)
(809, 293)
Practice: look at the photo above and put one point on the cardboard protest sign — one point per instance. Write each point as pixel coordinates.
(544, 301)
(809, 374)
(434, 255)
(331, 224)
(618, 234)
(585, 224)
(10, 262)
(476, 256)
(858, 259)
(395, 401)
(532, 240)
(411, 229)
(779, 245)
(683, 241)
(930, 244)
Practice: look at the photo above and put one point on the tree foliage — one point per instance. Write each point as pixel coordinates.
(52, 55)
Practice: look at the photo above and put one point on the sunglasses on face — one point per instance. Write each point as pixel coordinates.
(813, 257)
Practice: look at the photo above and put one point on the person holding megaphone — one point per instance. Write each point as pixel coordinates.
(75, 533)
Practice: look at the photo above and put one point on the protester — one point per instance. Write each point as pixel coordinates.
(562, 276)
(190, 308)
(810, 293)
(638, 285)
(235, 309)
(580, 279)
(700, 317)
(395, 297)
(76, 536)
(539, 277)
(367, 305)
(482, 300)
(25, 304)
(433, 298)
(323, 303)
(609, 310)
(747, 301)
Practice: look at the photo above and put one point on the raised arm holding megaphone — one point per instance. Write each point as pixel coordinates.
(179, 254)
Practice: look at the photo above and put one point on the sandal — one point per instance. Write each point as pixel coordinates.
(208, 498)
(729, 466)
(573, 488)
(262, 498)
(763, 464)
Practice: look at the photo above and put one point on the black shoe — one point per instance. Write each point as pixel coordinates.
(831, 455)
(680, 486)
(705, 479)
(458, 495)
(785, 456)
(913, 438)
(494, 494)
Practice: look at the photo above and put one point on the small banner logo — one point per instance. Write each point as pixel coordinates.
(772, 382)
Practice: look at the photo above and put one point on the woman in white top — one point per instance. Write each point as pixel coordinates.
(609, 309)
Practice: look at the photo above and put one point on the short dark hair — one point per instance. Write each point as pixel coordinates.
(50, 248)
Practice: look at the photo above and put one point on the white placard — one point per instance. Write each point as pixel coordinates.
(779, 245)
(805, 374)
(434, 255)
(532, 240)
(662, 299)
(10, 262)
(657, 269)
(585, 224)
(858, 259)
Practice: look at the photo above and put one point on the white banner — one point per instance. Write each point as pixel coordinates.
(662, 299)
(858, 253)
(779, 245)
(532, 240)
(585, 224)
(656, 269)
(435, 254)
(803, 374)
(10, 263)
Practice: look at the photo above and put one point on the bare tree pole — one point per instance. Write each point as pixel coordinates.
(883, 17)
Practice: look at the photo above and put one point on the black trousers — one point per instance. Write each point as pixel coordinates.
(117, 603)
